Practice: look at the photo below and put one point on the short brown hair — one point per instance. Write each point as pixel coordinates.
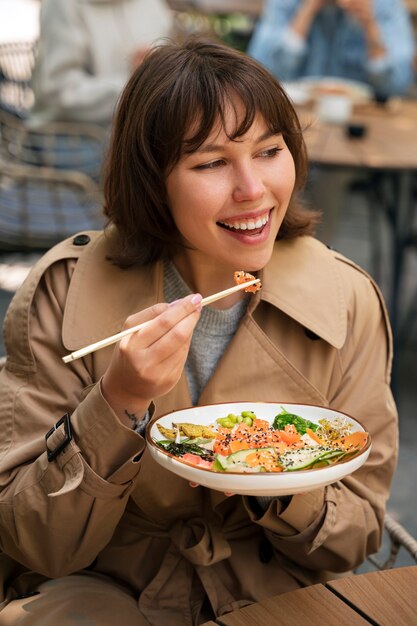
(176, 88)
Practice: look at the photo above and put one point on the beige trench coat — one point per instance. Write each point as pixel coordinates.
(316, 333)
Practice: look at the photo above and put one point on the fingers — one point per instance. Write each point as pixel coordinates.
(146, 315)
(173, 345)
(226, 493)
(149, 362)
(165, 319)
(162, 346)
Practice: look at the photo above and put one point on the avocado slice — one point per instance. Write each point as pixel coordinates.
(306, 457)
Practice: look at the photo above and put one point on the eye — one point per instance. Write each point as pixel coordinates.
(270, 153)
(212, 165)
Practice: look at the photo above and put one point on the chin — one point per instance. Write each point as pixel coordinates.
(256, 262)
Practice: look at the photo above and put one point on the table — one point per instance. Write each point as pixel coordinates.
(380, 598)
(388, 153)
(389, 142)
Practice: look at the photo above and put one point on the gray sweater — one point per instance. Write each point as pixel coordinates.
(213, 332)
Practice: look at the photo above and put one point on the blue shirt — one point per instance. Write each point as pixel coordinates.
(336, 46)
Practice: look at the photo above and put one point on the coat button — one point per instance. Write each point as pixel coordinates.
(309, 333)
(81, 240)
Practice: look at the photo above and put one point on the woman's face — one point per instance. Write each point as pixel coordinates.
(228, 199)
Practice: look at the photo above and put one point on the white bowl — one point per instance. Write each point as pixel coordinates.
(262, 484)
(317, 87)
(334, 108)
(297, 92)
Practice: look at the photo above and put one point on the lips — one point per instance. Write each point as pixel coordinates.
(250, 224)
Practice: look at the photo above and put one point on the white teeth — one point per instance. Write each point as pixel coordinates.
(249, 224)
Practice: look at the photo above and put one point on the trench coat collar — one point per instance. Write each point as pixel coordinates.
(302, 279)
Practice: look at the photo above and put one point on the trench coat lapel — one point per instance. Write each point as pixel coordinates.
(253, 369)
(302, 280)
(101, 295)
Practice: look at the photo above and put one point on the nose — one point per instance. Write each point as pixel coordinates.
(248, 184)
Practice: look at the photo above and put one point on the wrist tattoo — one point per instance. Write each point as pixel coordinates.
(132, 418)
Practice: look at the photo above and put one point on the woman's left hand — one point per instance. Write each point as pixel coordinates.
(226, 493)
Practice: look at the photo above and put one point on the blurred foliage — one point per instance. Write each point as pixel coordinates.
(234, 29)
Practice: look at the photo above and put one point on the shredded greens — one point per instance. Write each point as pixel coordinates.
(282, 419)
(179, 449)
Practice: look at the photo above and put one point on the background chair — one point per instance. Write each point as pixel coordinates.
(41, 206)
(49, 176)
(398, 538)
(58, 145)
(16, 65)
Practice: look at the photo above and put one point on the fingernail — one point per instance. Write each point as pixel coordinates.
(173, 302)
(196, 300)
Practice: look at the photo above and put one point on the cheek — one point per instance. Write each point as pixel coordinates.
(189, 213)
(196, 202)
(287, 177)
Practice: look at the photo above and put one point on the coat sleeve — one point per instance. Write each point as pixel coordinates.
(274, 44)
(335, 527)
(56, 516)
(394, 73)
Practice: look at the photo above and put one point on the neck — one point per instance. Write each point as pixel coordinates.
(207, 277)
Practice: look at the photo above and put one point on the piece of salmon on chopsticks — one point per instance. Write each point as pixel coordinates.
(241, 277)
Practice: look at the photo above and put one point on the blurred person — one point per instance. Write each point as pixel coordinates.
(87, 50)
(205, 167)
(370, 41)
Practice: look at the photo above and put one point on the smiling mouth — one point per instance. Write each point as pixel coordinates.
(250, 225)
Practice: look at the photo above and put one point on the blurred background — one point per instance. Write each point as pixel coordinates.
(50, 180)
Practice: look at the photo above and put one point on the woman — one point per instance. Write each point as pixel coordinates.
(87, 50)
(205, 166)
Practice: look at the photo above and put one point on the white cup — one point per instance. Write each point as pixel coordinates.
(334, 108)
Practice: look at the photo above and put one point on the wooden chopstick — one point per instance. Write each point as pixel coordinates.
(108, 341)
(227, 292)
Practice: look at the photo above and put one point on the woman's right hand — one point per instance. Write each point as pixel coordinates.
(149, 363)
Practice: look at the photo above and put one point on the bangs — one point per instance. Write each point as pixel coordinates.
(198, 101)
(212, 113)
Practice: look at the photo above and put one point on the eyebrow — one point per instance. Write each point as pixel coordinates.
(213, 147)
